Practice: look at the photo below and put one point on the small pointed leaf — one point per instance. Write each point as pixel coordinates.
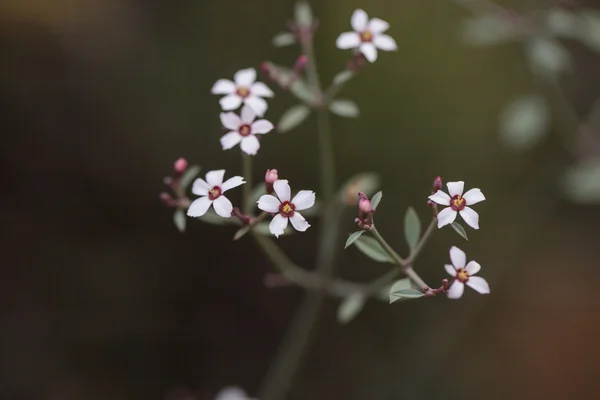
(241, 232)
(342, 77)
(402, 284)
(460, 230)
(405, 294)
(214, 219)
(179, 219)
(189, 175)
(376, 199)
(412, 227)
(353, 238)
(350, 307)
(303, 14)
(292, 117)
(524, 122)
(344, 108)
(284, 39)
(372, 249)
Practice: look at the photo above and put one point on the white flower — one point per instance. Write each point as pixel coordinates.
(459, 203)
(463, 274)
(211, 192)
(243, 89)
(367, 37)
(243, 128)
(285, 208)
(232, 393)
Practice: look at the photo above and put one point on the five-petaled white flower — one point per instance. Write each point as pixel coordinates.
(367, 37)
(463, 274)
(243, 89)
(458, 203)
(211, 191)
(243, 128)
(232, 393)
(286, 209)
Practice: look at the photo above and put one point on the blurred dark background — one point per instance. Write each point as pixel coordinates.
(102, 298)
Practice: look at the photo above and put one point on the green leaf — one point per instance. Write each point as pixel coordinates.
(179, 219)
(350, 307)
(353, 238)
(292, 117)
(241, 232)
(581, 183)
(303, 14)
(344, 108)
(214, 219)
(255, 194)
(372, 249)
(412, 227)
(366, 182)
(343, 77)
(524, 121)
(300, 89)
(547, 56)
(189, 175)
(376, 199)
(404, 294)
(488, 30)
(460, 230)
(284, 39)
(588, 30)
(402, 284)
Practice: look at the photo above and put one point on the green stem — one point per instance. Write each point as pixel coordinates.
(247, 171)
(326, 158)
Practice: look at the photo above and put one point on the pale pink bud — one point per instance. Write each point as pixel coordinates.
(180, 166)
(271, 176)
(364, 204)
(437, 184)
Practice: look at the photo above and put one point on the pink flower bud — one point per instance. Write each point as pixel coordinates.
(167, 199)
(437, 184)
(180, 166)
(271, 176)
(364, 204)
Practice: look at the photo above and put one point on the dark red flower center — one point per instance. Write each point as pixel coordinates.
(243, 92)
(462, 275)
(458, 202)
(245, 130)
(287, 209)
(366, 36)
(214, 193)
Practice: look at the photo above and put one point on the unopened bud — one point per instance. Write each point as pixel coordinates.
(270, 177)
(437, 184)
(265, 67)
(167, 180)
(167, 199)
(364, 204)
(180, 166)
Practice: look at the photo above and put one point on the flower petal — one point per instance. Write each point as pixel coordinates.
(269, 203)
(304, 199)
(385, 42)
(245, 77)
(200, 187)
(230, 139)
(230, 102)
(446, 216)
(250, 145)
(377, 25)
(456, 188)
(478, 284)
(247, 115)
(359, 20)
(215, 178)
(223, 206)
(199, 207)
(262, 126)
(456, 289)
(282, 188)
(230, 121)
(473, 196)
(369, 51)
(261, 90)
(440, 198)
(231, 183)
(299, 223)
(223, 86)
(450, 270)
(278, 225)
(470, 216)
(348, 40)
(473, 267)
(458, 257)
(257, 103)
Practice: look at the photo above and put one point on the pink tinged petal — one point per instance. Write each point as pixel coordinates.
(377, 25)
(456, 290)
(348, 40)
(269, 203)
(248, 115)
(261, 90)
(385, 42)
(299, 223)
(250, 145)
(230, 121)
(359, 20)
(440, 198)
(262, 126)
(473, 267)
(258, 104)
(230, 102)
(230, 139)
(446, 217)
(282, 188)
(458, 257)
(473, 196)
(456, 188)
(231, 183)
(199, 207)
(223, 86)
(200, 187)
(223, 206)
(478, 284)
(450, 270)
(470, 216)
(304, 199)
(245, 77)
(215, 178)
(369, 51)
(278, 225)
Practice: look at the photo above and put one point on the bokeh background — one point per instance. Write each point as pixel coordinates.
(102, 298)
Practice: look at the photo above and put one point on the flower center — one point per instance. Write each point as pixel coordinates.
(214, 193)
(243, 92)
(287, 209)
(366, 36)
(245, 130)
(458, 202)
(462, 275)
